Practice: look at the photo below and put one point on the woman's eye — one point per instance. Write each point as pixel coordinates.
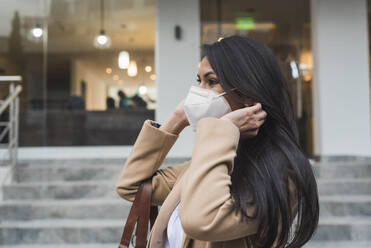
(211, 81)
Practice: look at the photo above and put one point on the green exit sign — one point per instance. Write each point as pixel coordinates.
(245, 23)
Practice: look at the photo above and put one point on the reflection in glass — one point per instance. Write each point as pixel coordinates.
(75, 94)
(282, 25)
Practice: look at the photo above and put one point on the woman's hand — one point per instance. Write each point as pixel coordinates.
(247, 119)
(179, 112)
(177, 121)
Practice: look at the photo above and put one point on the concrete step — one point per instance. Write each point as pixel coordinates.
(115, 208)
(106, 189)
(76, 205)
(337, 244)
(357, 186)
(311, 244)
(54, 173)
(346, 169)
(75, 170)
(85, 172)
(348, 228)
(97, 245)
(64, 209)
(345, 205)
(323, 244)
(56, 231)
(60, 190)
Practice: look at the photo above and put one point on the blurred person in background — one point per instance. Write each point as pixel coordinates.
(138, 101)
(124, 100)
(110, 103)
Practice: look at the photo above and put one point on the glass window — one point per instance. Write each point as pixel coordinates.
(87, 67)
(282, 25)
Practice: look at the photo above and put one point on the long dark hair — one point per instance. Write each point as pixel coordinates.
(264, 163)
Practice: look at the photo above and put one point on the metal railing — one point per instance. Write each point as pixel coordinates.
(12, 124)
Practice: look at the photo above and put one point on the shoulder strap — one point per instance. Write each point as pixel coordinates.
(141, 211)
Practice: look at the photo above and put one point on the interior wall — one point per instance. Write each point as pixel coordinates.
(341, 89)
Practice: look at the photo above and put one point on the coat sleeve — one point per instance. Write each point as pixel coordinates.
(147, 155)
(206, 207)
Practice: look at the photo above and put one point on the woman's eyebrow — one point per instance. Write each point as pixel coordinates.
(206, 74)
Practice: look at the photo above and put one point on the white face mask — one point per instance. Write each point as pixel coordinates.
(202, 102)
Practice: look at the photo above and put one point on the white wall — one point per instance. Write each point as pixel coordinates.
(176, 61)
(341, 87)
(95, 86)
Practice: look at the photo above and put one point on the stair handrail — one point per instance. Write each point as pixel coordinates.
(10, 98)
(12, 125)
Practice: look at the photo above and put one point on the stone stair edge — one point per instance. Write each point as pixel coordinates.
(68, 202)
(336, 244)
(121, 161)
(325, 220)
(310, 244)
(342, 163)
(345, 220)
(106, 182)
(341, 198)
(83, 162)
(92, 245)
(63, 223)
(61, 183)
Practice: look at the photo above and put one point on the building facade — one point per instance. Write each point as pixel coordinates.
(93, 71)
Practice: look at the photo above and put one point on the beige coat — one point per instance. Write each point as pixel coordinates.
(201, 185)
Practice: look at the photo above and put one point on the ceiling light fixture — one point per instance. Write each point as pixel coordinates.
(36, 33)
(132, 69)
(124, 60)
(102, 41)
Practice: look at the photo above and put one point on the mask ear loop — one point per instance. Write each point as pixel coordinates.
(221, 94)
(246, 104)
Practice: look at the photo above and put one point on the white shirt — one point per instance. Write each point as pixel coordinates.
(174, 233)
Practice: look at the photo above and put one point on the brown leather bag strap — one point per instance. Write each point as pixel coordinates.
(141, 211)
(131, 220)
(144, 210)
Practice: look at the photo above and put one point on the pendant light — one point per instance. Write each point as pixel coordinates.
(102, 41)
(36, 33)
(132, 69)
(124, 60)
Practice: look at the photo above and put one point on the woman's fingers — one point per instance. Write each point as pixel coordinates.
(254, 109)
(261, 115)
(250, 133)
(260, 122)
(251, 120)
(255, 122)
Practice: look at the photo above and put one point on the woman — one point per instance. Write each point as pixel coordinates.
(248, 177)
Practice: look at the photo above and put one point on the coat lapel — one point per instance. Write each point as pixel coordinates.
(156, 236)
